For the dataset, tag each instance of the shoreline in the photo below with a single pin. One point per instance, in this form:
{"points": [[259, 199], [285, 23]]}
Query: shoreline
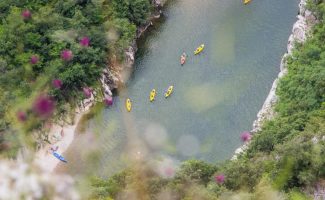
{"points": [[300, 31], [110, 79], [43, 157]]}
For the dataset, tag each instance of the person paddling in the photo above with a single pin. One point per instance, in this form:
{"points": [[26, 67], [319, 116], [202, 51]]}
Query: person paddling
{"points": [[52, 149], [183, 58]]}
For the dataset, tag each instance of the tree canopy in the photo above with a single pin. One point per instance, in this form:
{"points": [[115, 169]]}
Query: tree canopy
{"points": [[58, 48]]}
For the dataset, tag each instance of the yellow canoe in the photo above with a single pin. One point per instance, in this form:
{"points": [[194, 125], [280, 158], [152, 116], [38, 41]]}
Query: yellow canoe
{"points": [[152, 95], [128, 105], [247, 1], [169, 91], [199, 49]]}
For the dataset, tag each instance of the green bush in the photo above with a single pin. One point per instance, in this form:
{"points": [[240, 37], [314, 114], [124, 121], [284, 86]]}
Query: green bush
{"points": [[136, 11], [195, 170]]}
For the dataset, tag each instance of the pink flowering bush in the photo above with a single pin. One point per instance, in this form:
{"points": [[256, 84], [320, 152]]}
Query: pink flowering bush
{"points": [[21, 116], [26, 14], [219, 178], [108, 101], [57, 83], [85, 41], [66, 55], [43, 106], [34, 59], [245, 136], [87, 92]]}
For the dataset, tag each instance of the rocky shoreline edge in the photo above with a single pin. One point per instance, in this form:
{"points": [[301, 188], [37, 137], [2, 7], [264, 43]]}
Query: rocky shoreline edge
{"points": [[300, 32], [110, 79]]}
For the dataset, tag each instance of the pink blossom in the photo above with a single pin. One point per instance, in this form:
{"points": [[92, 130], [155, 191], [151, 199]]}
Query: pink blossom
{"points": [[219, 178], [66, 55], [43, 106], [26, 14], [34, 59], [108, 101], [21, 116], [85, 41], [245, 136], [87, 92], [57, 83], [169, 171]]}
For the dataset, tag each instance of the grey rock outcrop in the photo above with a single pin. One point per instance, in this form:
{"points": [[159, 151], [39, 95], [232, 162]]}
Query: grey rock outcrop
{"points": [[300, 32]]}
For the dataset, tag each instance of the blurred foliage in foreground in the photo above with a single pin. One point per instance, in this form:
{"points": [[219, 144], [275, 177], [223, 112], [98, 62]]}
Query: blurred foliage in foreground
{"points": [[288, 155], [20, 180], [50, 51]]}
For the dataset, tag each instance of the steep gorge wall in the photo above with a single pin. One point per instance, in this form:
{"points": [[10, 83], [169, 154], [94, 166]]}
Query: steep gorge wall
{"points": [[300, 31]]}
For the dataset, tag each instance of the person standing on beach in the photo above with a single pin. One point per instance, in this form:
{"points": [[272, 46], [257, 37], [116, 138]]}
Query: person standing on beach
{"points": [[62, 133]]}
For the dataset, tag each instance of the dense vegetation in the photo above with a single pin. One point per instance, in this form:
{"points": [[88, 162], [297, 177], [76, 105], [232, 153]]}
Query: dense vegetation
{"points": [[52, 52], [285, 160]]}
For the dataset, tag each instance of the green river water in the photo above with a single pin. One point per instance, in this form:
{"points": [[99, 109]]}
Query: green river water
{"points": [[217, 94]]}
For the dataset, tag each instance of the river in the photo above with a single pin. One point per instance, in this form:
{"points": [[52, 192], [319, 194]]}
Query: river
{"points": [[217, 94]]}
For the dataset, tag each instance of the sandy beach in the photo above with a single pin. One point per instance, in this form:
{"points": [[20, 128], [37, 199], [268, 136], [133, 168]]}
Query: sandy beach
{"points": [[44, 158]]}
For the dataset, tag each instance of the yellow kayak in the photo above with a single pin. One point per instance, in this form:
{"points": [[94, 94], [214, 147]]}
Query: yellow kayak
{"points": [[247, 1], [199, 49], [152, 95], [169, 91], [128, 105]]}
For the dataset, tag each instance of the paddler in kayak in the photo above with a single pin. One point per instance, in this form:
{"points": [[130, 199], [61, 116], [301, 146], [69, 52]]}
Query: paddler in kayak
{"points": [[128, 104], [199, 49], [58, 156], [183, 58], [246, 2], [169, 91], [152, 95]]}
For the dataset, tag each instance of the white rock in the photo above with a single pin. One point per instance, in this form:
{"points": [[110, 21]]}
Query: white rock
{"points": [[302, 7], [311, 20], [129, 54], [299, 29]]}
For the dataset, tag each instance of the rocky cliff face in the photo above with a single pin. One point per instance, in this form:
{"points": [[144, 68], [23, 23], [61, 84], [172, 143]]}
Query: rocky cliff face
{"points": [[300, 31]]}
